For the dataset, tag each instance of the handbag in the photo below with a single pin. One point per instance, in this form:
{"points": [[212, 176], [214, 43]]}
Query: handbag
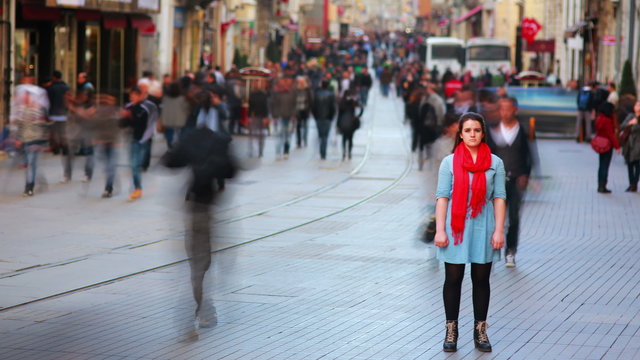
{"points": [[600, 144]]}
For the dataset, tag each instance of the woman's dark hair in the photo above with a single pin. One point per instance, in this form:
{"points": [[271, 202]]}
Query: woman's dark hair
{"points": [[204, 99], [470, 116], [185, 82], [174, 90], [606, 109]]}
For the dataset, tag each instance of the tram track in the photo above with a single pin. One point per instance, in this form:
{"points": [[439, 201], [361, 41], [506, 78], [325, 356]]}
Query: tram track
{"points": [[353, 175]]}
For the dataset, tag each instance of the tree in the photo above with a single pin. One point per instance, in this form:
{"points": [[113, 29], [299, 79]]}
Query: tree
{"points": [[627, 85], [240, 60]]}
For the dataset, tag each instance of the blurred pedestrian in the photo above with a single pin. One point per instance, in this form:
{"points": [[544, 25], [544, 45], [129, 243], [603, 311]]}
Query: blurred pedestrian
{"points": [[587, 105], [106, 137], [386, 77], [258, 116], [440, 149], [151, 91], [59, 94], [510, 142], [78, 135], [349, 120], [470, 210], [175, 111], [324, 110], [206, 153], [606, 128], [304, 97], [283, 109], [136, 117], [364, 82], [631, 147], [29, 117]]}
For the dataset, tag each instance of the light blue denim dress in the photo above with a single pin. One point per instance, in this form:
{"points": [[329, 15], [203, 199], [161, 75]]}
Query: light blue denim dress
{"points": [[476, 243]]}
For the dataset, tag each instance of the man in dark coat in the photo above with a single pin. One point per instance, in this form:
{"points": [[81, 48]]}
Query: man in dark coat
{"points": [[509, 141], [207, 154]]}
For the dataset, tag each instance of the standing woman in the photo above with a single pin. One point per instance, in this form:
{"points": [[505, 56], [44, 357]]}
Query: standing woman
{"points": [[605, 127], [631, 148], [470, 214]]}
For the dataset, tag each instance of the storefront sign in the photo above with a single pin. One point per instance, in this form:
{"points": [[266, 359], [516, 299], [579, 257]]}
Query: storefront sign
{"points": [[70, 2], [608, 39], [179, 17], [575, 43], [530, 28], [542, 46]]}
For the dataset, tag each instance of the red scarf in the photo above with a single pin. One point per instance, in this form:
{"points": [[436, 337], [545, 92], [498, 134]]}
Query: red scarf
{"points": [[462, 165]]}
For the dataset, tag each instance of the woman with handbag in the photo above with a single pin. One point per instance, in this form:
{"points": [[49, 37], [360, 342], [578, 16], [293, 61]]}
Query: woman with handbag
{"points": [[470, 216], [348, 120], [605, 130], [631, 146]]}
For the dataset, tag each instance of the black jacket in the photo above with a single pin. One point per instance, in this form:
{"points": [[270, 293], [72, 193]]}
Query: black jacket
{"points": [[518, 158], [324, 105], [207, 154]]}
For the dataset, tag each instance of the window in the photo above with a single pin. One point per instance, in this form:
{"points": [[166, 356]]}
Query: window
{"points": [[488, 53]]}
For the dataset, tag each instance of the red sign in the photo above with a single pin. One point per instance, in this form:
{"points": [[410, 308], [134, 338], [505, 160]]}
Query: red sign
{"points": [[608, 39], [542, 46], [530, 28]]}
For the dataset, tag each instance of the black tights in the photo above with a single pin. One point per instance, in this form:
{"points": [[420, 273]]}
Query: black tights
{"points": [[454, 273]]}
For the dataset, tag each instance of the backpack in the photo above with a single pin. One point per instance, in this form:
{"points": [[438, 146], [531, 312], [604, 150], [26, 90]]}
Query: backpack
{"points": [[583, 99]]}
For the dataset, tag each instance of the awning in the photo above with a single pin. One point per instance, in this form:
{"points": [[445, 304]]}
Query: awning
{"points": [[141, 22], [114, 22], [41, 13], [466, 16], [88, 15]]}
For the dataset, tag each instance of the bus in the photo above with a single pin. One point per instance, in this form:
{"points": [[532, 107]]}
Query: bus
{"points": [[445, 53], [487, 53]]}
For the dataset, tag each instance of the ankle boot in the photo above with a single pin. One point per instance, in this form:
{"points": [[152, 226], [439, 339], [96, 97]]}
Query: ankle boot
{"points": [[480, 337], [451, 336], [602, 187]]}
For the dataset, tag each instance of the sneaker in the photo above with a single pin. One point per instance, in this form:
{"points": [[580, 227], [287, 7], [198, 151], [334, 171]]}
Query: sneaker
{"points": [[65, 180], [107, 194], [135, 195], [207, 316], [86, 179], [510, 261], [27, 193]]}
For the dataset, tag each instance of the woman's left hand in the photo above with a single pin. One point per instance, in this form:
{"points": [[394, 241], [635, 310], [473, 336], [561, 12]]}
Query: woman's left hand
{"points": [[497, 240]]}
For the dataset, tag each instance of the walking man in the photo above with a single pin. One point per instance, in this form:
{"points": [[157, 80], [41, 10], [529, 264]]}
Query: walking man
{"points": [[509, 141], [324, 109]]}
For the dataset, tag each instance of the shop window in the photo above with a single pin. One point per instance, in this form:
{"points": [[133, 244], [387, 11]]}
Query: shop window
{"points": [[92, 53], [26, 55]]}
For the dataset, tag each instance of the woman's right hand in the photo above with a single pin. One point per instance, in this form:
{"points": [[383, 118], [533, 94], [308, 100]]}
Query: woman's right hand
{"points": [[441, 240]]}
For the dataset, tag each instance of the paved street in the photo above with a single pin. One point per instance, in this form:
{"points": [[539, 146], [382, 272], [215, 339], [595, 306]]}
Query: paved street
{"points": [[316, 259]]}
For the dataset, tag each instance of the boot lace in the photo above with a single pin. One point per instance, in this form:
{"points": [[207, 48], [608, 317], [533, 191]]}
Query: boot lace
{"points": [[451, 336], [481, 327]]}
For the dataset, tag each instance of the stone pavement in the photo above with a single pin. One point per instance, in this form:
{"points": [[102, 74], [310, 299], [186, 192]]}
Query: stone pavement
{"points": [[320, 260]]}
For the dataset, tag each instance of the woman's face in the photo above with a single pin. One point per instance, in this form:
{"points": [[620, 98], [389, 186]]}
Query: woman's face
{"points": [[471, 133], [636, 107]]}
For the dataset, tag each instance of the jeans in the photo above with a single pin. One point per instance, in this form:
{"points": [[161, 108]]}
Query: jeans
{"points": [[634, 172], [364, 95], [514, 200], [198, 247], [109, 151], [31, 150], [59, 136], [323, 132], [284, 134], [603, 168], [256, 133], [385, 89], [169, 135], [302, 128], [138, 152], [74, 146]]}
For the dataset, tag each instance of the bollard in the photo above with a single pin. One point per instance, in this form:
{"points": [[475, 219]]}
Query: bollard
{"points": [[532, 128]]}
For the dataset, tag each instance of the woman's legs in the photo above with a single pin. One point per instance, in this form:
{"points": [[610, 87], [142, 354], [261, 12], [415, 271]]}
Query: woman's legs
{"points": [[633, 168], [481, 290], [454, 273], [603, 170]]}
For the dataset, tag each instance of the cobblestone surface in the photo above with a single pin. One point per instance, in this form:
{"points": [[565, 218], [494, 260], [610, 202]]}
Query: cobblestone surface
{"points": [[353, 284]]}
